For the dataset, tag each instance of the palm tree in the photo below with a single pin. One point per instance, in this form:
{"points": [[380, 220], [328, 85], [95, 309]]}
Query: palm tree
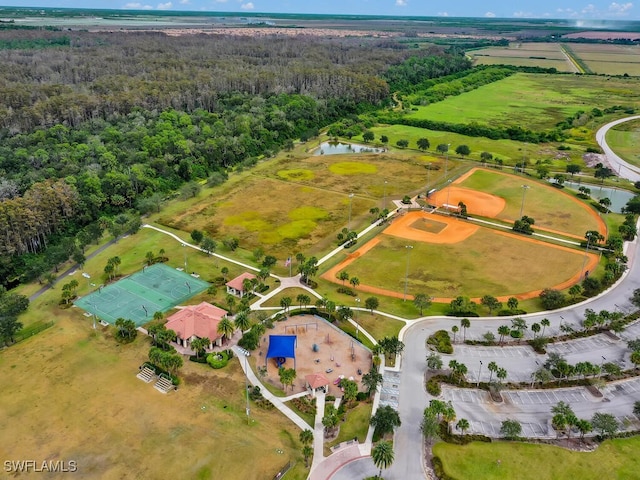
{"points": [[200, 345], [355, 281], [242, 321], [545, 323], [226, 328], [454, 329], [306, 437], [344, 276], [382, 455], [465, 323], [285, 303], [502, 331], [493, 367], [463, 425], [535, 328], [307, 452]]}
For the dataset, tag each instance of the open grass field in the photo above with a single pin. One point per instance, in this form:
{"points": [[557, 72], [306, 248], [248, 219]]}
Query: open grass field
{"points": [[487, 263], [624, 139], [551, 208], [357, 425], [298, 203], [609, 59], [70, 393], [614, 459], [538, 101]]}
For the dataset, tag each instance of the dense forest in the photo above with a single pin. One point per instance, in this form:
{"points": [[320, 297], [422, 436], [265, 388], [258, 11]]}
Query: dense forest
{"points": [[96, 128]]}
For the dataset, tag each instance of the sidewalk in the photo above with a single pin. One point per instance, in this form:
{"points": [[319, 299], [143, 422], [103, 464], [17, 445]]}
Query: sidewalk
{"points": [[276, 401]]}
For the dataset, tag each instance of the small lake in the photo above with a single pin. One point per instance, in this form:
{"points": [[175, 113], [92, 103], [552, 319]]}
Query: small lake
{"points": [[619, 198], [339, 148]]}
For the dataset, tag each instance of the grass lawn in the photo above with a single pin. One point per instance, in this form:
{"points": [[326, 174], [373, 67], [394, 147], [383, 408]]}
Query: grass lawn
{"points": [[379, 326], [292, 293], [108, 421], [487, 263], [537, 101], [550, 207], [624, 139], [356, 425], [614, 459]]}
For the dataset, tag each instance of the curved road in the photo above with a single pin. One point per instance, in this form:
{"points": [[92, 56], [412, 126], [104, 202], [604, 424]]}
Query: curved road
{"points": [[624, 169], [408, 463]]}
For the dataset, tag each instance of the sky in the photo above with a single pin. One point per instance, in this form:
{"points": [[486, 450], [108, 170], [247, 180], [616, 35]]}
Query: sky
{"points": [[570, 9]]}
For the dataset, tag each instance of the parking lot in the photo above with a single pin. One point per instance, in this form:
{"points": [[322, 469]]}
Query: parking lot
{"points": [[582, 345], [546, 397], [390, 389]]}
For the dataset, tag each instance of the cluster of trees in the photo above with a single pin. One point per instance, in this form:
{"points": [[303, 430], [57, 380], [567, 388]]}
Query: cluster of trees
{"points": [[564, 420], [11, 306]]}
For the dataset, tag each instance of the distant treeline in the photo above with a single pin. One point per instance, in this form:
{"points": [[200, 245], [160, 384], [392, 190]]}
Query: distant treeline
{"points": [[110, 75], [34, 43]]}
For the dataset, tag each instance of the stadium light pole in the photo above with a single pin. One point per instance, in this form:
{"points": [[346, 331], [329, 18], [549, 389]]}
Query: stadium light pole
{"points": [[350, 201], [446, 162], [601, 364], [479, 371], [355, 316], [185, 258], [384, 205], [448, 191], [406, 273], [524, 191]]}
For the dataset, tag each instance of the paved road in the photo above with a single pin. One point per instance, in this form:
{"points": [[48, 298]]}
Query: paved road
{"points": [[519, 362], [624, 169]]}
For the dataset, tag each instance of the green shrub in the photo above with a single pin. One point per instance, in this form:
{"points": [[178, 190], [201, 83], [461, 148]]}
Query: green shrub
{"points": [[218, 360], [441, 341], [362, 396], [433, 387]]}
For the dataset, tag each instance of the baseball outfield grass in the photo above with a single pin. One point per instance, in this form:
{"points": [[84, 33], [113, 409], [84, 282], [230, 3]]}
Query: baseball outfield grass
{"points": [[624, 139], [487, 263]]}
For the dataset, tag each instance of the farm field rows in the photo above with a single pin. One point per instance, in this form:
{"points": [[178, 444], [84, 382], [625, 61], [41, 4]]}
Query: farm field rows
{"points": [[600, 58], [545, 55]]}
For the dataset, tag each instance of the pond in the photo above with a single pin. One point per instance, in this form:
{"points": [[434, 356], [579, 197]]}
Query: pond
{"points": [[619, 198], [339, 148]]}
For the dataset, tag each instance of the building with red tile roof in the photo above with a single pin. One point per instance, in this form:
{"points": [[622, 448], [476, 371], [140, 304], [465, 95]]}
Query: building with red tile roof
{"points": [[236, 286], [197, 321]]}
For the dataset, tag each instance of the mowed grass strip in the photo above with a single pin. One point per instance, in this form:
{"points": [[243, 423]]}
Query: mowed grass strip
{"points": [[614, 459], [485, 263], [548, 206], [70, 393]]}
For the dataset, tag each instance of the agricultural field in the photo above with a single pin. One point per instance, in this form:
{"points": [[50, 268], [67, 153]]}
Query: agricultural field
{"points": [[506, 460], [299, 203], [624, 139], [544, 55], [537, 101], [609, 59]]}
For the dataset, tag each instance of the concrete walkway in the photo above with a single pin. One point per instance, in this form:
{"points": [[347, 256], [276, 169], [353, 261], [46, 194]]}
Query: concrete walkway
{"points": [[276, 401]]}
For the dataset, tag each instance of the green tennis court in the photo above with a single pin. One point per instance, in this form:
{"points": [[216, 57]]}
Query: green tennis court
{"points": [[137, 297]]}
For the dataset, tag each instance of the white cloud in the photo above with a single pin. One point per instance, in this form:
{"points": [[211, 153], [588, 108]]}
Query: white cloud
{"points": [[522, 14], [401, 3], [490, 15], [184, 2], [165, 6], [137, 6], [247, 6], [620, 8], [443, 14]]}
